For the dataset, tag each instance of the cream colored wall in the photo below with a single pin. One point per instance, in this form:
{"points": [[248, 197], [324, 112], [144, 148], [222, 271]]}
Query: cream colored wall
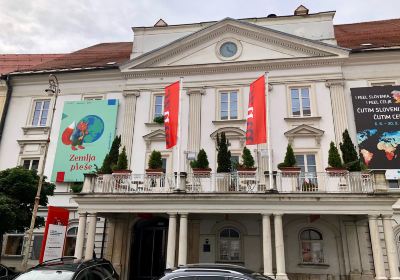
{"points": [[3, 93]]}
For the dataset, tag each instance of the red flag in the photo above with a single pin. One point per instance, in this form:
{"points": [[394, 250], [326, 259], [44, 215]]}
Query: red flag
{"points": [[171, 113], [256, 114]]}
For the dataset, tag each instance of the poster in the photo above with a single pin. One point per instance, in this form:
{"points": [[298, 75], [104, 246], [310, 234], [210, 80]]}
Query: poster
{"points": [[377, 118], [54, 234], [87, 130]]}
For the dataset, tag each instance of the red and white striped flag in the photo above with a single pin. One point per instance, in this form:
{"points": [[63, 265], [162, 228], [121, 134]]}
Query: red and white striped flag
{"points": [[256, 114], [171, 114]]}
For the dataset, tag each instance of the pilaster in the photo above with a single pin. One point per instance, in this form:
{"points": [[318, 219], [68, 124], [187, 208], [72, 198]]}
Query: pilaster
{"points": [[338, 104], [376, 248], [129, 121], [195, 119], [393, 259]]}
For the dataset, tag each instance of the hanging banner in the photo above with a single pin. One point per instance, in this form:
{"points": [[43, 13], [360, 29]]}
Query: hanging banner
{"points": [[377, 118], [86, 132], [256, 132], [171, 114], [54, 234]]}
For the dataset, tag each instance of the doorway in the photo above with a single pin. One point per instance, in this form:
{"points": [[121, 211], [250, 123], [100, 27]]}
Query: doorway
{"points": [[148, 251]]}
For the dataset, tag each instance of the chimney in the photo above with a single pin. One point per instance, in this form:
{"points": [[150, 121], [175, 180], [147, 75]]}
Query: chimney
{"points": [[301, 11]]}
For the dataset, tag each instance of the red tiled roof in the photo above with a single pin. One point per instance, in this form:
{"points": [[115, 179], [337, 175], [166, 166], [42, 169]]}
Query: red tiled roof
{"points": [[15, 62], [104, 55], [384, 33]]}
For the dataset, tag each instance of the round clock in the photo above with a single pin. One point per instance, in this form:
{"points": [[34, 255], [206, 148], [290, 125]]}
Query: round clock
{"points": [[228, 49]]}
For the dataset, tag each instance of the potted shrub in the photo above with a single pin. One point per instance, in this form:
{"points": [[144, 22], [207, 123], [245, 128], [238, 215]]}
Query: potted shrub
{"points": [[155, 163], [122, 164], [288, 166], [111, 159], [76, 187], [200, 165], [351, 159], [224, 155], [247, 165], [334, 161], [159, 119]]}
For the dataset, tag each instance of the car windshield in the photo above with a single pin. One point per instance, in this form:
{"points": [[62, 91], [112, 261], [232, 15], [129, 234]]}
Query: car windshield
{"points": [[46, 275]]}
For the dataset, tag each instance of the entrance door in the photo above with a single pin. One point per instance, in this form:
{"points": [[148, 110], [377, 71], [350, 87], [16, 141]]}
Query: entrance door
{"points": [[149, 249]]}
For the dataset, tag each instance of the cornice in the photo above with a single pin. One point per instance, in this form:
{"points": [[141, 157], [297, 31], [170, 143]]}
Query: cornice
{"points": [[334, 83], [232, 67]]}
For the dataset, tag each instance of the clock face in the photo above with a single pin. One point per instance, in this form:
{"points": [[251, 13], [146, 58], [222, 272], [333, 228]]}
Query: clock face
{"points": [[228, 49]]}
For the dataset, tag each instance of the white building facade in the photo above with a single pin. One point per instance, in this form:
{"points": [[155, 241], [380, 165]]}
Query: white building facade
{"points": [[338, 227]]}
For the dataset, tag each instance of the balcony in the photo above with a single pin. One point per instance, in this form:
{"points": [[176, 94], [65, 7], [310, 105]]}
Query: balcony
{"points": [[320, 182]]}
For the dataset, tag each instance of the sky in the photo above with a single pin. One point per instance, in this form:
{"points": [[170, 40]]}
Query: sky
{"points": [[55, 26]]}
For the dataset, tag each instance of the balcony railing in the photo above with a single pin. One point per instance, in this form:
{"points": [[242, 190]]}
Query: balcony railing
{"points": [[320, 182]]}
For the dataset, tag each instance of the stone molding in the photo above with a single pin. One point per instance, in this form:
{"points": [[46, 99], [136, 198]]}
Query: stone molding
{"points": [[135, 93], [304, 131]]}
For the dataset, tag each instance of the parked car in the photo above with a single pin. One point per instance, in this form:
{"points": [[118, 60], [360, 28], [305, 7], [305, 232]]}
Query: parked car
{"points": [[69, 268], [7, 273], [213, 272]]}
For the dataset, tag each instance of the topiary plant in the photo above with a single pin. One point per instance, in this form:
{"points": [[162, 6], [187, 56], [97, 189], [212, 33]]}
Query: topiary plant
{"points": [[247, 158], [122, 163], [159, 119], [334, 159], [290, 159], [201, 161], [155, 160], [351, 160], [224, 155], [76, 187], [111, 159]]}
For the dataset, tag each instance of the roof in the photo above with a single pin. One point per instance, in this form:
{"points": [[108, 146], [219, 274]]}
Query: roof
{"points": [[104, 55], [15, 62], [373, 34]]}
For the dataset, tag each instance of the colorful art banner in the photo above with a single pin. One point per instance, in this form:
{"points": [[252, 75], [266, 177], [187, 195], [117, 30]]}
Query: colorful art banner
{"points": [[87, 130], [54, 234], [377, 118]]}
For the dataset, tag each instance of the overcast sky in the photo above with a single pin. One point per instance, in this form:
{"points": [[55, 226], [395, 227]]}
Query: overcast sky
{"points": [[59, 26]]}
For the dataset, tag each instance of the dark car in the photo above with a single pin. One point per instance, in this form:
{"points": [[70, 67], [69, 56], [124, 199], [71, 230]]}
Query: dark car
{"points": [[71, 269], [7, 273], [213, 272]]}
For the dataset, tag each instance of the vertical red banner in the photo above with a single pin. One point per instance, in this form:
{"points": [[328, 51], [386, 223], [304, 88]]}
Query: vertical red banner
{"points": [[171, 113], [54, 233], [256, 114]]}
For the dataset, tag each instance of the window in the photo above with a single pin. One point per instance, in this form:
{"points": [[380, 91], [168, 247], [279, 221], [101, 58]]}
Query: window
{"points": [[228, 105], [308, 175], [97, 97], [36, 246], [383, 83], [229, 245], [311, 247], [300, 102], [31, 164], [234, 162], [14, 245], [164, 163], [158, 106], [393, 184], [40, 112], [70, 240]]}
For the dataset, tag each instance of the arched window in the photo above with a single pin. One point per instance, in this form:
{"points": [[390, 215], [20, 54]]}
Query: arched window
{"points": [[311, 243], [70, 241], [229, 245]]}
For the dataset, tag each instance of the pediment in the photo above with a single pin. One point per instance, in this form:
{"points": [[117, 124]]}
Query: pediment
{"points": [[304, 130], [156, 135], [230, 133], [255, 43]]}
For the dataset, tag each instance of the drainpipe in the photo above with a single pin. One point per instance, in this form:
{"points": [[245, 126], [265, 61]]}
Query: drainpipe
{"points": [[6, 78]]}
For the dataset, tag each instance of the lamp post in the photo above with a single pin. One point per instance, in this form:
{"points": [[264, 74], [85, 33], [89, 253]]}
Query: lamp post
{"points": [[53, 90]]}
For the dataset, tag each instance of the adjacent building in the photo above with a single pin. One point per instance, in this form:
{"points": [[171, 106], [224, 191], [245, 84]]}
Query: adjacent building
{"points": [[311, 224]]}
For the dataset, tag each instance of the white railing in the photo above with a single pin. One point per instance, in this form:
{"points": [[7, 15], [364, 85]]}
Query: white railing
{"points": [[320, 182]]}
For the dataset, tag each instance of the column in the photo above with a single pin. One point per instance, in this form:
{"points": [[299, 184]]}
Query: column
{"points": [[92, 218], [110, 238], [183, 239], [376, 247], [267, 245], [338, 103], [129, 121], [279, 248], [80, 237], [354, 252], [393, 259], [195, 119], [170, 263], [118, 243]]}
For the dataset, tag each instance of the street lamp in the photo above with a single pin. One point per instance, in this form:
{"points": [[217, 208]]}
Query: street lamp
{"points": [[53, 90]]}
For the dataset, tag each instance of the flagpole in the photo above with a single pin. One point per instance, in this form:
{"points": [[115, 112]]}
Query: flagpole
{"points": [[178, 173], [271, 186]]}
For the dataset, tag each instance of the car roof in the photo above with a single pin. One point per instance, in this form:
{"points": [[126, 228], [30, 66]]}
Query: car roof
{"points": [[67, 263], [206, 268]]}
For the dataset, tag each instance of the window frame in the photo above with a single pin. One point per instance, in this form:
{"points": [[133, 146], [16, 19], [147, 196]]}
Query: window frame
{"points": [[239, 104], [31, 159], [312, 98], [321, 242], [5, 243], [218, 250], [29, 122], [71, 226], [91, 97], [377, 83], [153, 105]]}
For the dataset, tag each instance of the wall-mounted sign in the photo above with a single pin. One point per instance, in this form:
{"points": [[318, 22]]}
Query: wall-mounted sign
{"points": [[377, 118], [86, 132]]}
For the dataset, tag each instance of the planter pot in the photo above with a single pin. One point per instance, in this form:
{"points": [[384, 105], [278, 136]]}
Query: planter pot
{"points": [[201, 171], [121, 172], [155, 171], [246, 170], [290, 171], [336, 170]]}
